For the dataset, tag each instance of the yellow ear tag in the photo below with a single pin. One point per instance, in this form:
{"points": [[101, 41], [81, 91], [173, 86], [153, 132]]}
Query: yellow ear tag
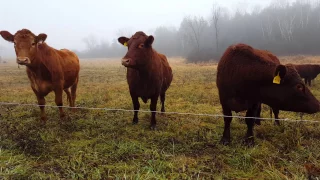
{"points": [[125, 44], [276, 79]]}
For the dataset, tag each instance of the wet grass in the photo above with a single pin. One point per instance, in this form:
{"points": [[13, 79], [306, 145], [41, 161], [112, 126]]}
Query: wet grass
{"points": [[99, 144]]}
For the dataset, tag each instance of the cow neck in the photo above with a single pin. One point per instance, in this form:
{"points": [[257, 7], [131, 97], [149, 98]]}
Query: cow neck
{"points": [[148, 70], [37, 64]]}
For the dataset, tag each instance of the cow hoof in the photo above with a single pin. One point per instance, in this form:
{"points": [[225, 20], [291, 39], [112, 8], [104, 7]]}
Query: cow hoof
{"points": [[277, 123], [225, 141], [249, 141], [43, 120], [135, 121], [153, 127], [258, 122], [67, 118], [62, 115]]}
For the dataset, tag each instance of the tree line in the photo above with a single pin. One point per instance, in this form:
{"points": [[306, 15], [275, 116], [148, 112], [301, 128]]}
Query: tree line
{"points": [[283, 28]]}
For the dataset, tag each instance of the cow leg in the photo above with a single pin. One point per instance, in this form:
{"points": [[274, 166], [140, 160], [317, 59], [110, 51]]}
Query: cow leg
{"points": [[136, 107], [257, 120], [276, 116], [162, 98], [68, 96], [59, 102], [74, 95], [153, 107], [251, 112], [306, 81], [225, 140], [41, 103], [309, 82]]}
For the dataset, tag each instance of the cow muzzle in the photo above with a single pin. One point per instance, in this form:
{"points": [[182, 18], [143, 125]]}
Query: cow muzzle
{"points": [[126, 62], [23, 60]]}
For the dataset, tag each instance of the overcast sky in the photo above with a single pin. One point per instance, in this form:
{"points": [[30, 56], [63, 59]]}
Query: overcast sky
{"points": [[67, 22]]}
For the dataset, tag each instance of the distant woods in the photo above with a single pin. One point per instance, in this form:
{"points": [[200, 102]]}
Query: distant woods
{"points": [[282, 28]]}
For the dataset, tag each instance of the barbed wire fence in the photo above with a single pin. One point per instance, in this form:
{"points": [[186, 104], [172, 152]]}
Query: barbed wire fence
{"points": [[148, 111], [120, 69]]}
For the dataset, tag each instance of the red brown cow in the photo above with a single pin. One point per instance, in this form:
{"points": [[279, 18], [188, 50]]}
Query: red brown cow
{"points": [[246, 77], [149, 74], [48, 69], [308, 72]]}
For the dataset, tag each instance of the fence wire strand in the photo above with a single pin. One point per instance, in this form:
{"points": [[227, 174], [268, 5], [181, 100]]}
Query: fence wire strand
{"points": [[147, 111]]}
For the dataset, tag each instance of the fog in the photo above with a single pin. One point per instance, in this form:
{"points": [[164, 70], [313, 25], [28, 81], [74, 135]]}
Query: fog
{"points": [[91, 28]]}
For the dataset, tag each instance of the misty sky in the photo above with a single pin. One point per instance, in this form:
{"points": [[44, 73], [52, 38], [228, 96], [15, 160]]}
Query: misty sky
{"points": [[67, 22]]}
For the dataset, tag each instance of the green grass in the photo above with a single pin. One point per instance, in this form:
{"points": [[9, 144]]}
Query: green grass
{"points": [[99, 144]]}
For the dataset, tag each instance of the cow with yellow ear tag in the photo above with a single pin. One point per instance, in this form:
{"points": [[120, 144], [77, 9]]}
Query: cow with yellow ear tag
{"points": [[247, 77], [149, 74]]}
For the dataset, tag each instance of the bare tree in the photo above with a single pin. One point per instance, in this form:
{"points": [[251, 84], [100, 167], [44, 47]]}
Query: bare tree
{"points": [[286, 27], [197, 25], [266, 28], [216, 13], [280, 3], [91, 42], [242, 7]]}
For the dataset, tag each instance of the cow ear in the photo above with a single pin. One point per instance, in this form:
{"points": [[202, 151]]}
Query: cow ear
{"points": [[123, 40], [279, 74], [7, 36], [41, 37], [149, 41]]}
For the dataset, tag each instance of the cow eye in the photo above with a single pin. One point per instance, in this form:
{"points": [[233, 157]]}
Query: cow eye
{"points": [[141, 46], [33, 44], [300, 87]]}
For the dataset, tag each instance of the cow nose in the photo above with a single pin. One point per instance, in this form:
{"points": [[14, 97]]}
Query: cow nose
{"points": [[22, 59], [125, 61]]}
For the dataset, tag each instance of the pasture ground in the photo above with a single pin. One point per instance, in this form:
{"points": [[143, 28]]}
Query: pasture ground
{"points": [[96, 144]]}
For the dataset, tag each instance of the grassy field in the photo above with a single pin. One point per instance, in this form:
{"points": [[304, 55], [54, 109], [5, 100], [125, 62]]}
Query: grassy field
{"points": [[99, 144]]}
